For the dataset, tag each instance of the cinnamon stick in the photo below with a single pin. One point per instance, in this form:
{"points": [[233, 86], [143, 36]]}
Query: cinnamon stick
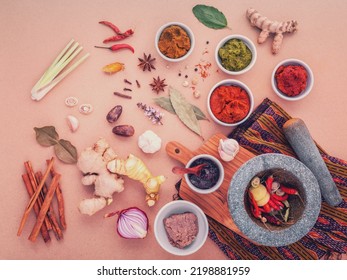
{"points": [[34, 198], [50, 213], [29, 169], [60, 199], [45, 206], [29, 188]]}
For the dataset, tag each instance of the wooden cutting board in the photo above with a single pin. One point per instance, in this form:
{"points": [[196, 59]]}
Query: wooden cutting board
{"points": [[214, 204]]}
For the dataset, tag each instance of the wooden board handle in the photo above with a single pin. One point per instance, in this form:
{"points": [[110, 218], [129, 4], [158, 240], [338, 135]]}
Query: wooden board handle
{"points": [[179, 152]]}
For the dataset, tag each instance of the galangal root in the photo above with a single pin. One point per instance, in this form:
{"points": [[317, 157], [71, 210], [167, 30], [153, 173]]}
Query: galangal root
{"points": [[103, 169], [268, 26]]}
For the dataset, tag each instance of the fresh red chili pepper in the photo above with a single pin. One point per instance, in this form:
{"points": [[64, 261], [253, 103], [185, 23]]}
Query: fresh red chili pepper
{"points": [[110, 25], [289, 190], [278, 203], [273, 205], [267, 208], [254, 206], [280, 198], [117, 47], [268, 183]]}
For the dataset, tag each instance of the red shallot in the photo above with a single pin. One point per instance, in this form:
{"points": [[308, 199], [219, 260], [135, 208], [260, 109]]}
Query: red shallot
{"points": [[132, 223]]}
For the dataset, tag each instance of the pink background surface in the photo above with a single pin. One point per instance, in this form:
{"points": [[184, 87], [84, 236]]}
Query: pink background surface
{"points": [[34, 32]]}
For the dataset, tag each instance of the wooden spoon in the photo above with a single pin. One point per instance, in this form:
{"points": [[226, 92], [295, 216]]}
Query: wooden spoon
{"points": [[192, 170]]}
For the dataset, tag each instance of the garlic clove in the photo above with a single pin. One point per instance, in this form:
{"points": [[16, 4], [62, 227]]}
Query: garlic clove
{"points": [[72, 122], [228, 149], [149, 142]]}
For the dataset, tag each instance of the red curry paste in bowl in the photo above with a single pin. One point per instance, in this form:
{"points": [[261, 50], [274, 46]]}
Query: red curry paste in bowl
{"points": [[230, 102], [292, 79]]}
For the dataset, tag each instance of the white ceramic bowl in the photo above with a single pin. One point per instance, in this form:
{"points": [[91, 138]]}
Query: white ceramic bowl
{"points": [[190, 34], [249, 44], [178, 207], [310, 79], [221, 174], [230, 82]]}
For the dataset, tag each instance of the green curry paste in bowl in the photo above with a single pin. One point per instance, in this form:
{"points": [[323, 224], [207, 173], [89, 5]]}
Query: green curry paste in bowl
{"points": [[235, 54]]}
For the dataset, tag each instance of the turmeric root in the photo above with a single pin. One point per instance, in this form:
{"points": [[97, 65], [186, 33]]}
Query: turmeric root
{"points": [[268, 26], [135, 169]]}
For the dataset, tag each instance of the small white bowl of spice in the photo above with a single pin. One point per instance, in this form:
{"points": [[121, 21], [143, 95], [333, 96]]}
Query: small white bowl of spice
{"points": [[181, 227], [292, 79], [174, 41], [210, 176], [230, 102], [235, 54]]}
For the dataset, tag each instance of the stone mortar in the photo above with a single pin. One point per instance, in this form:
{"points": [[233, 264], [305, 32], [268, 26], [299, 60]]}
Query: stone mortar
{"points": [[256, 232]]}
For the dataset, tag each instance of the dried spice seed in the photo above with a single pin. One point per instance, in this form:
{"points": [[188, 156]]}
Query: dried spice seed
{"points": [[124, 130], [147, 62], [127, 82], [158, 85], [138, 84], [127, 89]]}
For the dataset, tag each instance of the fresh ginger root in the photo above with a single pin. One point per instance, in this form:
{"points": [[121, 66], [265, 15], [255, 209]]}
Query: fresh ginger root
{"points": [[268, 26], [135, 169]]}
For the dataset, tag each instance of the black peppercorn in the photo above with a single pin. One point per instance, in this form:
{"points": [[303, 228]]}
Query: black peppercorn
{"points": [[186, 76]]}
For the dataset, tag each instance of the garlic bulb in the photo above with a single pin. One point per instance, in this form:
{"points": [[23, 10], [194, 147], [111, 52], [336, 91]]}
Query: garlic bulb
{"points": [[228, 149], [149, 142]]}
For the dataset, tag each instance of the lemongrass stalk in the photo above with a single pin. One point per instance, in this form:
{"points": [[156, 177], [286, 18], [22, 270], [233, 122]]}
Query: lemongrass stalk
{"points": [[59, 66], [38, 94], [38, 84]]}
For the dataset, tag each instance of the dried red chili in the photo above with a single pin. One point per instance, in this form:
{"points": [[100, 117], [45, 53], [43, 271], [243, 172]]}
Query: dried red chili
{"points": [[291, 79], [119, 35], [230, 104]]}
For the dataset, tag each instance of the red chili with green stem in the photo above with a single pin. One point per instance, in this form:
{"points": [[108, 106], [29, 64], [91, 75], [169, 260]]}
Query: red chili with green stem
{"points": [[291, 191], [117, 47]]}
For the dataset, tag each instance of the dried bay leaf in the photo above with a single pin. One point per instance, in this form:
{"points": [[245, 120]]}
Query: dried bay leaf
{"points": [[165, 103], [184, 111], [210, 16], [65, 151], [46, 136]]}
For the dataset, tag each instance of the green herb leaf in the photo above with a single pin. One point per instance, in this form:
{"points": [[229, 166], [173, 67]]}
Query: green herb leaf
{"points": [[46, 136], [184, 111], [210, 16], [165, 103], [65, 151]]}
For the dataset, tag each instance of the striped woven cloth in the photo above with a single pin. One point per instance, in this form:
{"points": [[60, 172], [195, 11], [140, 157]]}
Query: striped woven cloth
{"points": [[262, 133]]}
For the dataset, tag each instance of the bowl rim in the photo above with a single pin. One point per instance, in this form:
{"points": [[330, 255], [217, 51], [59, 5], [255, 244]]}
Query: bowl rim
{"points": [[250, 45], [247, 226], [180, 205], [309, 86], [230, 82], [189, 32], [221, 174]]}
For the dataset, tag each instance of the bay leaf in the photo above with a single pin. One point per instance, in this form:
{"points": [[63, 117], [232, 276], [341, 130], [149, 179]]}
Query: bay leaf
{"points": [[46, 136], [165, 103], [184, 111], [210, 16], [65, 151]]}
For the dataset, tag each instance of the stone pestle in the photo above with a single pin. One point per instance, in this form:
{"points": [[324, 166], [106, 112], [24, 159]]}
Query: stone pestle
{"points": [[302, 143]]}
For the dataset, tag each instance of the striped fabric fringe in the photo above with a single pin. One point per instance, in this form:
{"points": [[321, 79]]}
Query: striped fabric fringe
{"points": [[262, 133]]}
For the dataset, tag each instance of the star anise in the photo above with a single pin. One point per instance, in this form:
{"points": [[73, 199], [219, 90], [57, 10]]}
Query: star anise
{"points": [[158, 85], [147, 62]]}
